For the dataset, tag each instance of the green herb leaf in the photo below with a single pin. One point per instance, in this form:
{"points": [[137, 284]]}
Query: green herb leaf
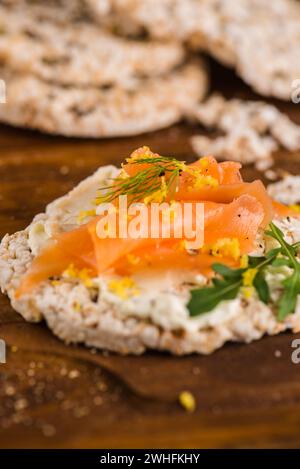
{"points": [[282, 262], [273, 253], [145, 182], [204, 300], [227, 272], [255, 261], [262, 287], [288, 300], [291, 285], [229, 281]]}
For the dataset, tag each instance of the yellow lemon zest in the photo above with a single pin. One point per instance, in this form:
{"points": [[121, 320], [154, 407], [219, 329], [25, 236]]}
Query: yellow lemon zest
{"points": [[187, 401], [81, 274], [224, 247], [124, 288], [248, 277]]}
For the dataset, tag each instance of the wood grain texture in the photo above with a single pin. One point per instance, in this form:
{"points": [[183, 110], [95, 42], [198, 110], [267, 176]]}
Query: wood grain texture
{"points": [[52, 395]]}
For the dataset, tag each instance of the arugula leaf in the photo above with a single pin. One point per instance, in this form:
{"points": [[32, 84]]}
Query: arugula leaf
{"points": [[282, 262], [205, 299], [291, 285], [273, 253], [288, 300], [227, 272], [262, 287], [254, 262], [227, 284]]}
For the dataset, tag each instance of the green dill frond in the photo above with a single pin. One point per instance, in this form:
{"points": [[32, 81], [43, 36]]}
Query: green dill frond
{"points": [[148, 181]]}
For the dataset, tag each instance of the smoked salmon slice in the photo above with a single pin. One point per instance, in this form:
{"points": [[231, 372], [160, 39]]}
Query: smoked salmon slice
{"points": [[240, 219], [72, 247], [226, 175], [227, 193], [227, 172], [85, 249], [233, 209], [169, 257]]}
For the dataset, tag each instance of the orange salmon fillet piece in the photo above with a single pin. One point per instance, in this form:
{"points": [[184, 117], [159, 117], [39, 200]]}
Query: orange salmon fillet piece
{"points": [[232, 209], [85, 249]]}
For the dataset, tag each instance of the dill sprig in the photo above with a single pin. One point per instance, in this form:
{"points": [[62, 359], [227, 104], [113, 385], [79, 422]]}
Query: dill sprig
{"points": [[161, 177]]}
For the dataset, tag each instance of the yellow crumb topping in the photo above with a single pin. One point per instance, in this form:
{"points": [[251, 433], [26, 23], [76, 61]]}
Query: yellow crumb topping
{"points": [[124, 288], [244, 261], [248, 277], [84, 275], [202, 180], [160, 195], [224, 247], [187, 401], [54, 283]]}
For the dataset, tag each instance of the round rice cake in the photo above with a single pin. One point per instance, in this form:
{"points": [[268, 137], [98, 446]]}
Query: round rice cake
{"points": [[155, 319], [245, 34], [142, 106], [57, 11], [159, 18], [249, 37], [78, 53]]}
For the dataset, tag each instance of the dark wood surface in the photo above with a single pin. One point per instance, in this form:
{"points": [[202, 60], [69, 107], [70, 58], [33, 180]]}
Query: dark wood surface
{"points": [[53, 395]]}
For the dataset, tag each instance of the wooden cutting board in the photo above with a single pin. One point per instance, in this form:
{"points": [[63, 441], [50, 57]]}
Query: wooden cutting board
{"points": [[53, 395]]}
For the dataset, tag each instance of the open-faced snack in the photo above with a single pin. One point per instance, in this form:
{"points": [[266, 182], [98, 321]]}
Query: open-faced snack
{"points": [[129, 294]]}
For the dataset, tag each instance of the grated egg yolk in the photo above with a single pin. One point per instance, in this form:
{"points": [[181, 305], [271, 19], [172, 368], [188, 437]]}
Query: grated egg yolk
{"points": [[124, 288], [187, 401], [248, 277], [224, 247], [83, 275]]}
